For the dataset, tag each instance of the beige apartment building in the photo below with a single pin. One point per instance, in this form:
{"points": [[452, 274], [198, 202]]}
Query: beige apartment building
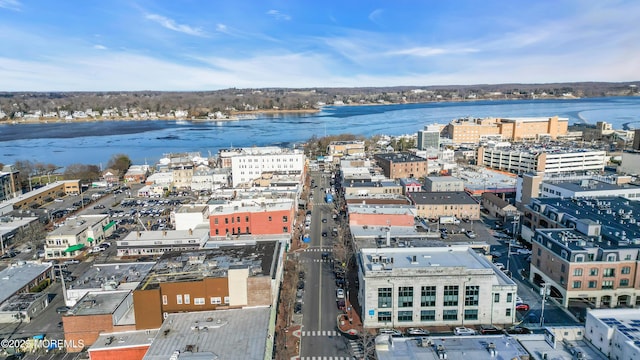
{"points": [[402, 165], [455, 203], [472, 131]]}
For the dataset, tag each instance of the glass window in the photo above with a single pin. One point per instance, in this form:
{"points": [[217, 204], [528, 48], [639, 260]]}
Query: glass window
{"points": [[427, 315], [577, 272], [165, 301], [216, 300], [450, 296], [179, 299], [626, 270], [496, 298], [593, 272], [609, 272], [405, 296], [198, 301], [608, 284], [471, 314], [405, 316], [384, 298], [450, 314], [428, 296], [624, 282], [593, 284], [187, 299], [215, 221], [577, 284], [509, 297], [384, 316], [508, 312], [471, 295]]}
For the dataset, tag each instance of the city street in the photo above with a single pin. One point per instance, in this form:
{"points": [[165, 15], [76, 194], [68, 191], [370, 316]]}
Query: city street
{"points": [[320, 338]]}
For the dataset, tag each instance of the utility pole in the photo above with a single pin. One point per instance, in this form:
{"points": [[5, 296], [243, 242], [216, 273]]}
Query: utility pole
{"points": [[516, 219], [544, 292]]}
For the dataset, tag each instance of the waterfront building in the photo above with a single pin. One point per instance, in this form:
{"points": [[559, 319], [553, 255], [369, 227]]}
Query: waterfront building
{"points": [[473, 131]]}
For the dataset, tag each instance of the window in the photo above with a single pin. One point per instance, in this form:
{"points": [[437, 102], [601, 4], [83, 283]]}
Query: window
{"points": [[384, 316], [609, 272], [187, 299], [562, 268], [579, 258], [472, 293], [577, 284], [509, 297], [593, 284], [179, 299], [471, 314], [384, 298], [405, 296], [496, 298], [507, 312], [593, 272], [246, 218], [608, 284], [611, 257], [198, 301], [226, 299], [217, 232], [215, 221], [238, 219], [624, 282], [428, 296], [626, 270], [450, 314], [269, 218], [450, 296], [427, 315], [285, 219], [405, 316], [226, 220], [216, 300], [165, 301], [539, 252], [577, 272]]}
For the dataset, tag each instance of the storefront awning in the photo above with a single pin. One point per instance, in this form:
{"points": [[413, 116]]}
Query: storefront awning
{"points": [[106, 227], [74, 248], [90, 240]]}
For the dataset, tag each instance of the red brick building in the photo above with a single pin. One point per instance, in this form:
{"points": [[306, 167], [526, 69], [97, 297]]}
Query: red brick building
{"points": [[256, 219]]}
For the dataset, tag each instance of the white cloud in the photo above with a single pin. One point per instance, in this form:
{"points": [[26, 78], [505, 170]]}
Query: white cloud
{"points": [[10, 5], [431, 51], [99, 47], [375, 15], [278, 15], [172, 25]]}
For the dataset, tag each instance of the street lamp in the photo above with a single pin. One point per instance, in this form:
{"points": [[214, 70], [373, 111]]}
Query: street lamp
{"points": [[544, 291], [516, 219]]}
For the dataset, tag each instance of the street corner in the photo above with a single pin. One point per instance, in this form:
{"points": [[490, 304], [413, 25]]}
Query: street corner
{"points": [[298, 332]]}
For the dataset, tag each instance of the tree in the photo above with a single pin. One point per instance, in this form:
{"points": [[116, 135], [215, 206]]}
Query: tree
{"points": [[82, 172], [120, 162]]}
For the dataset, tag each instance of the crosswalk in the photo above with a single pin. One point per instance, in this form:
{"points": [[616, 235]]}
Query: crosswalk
{"points": [[321, 333], [315, 260], [356, 348], [318, 249], [326, 358]]}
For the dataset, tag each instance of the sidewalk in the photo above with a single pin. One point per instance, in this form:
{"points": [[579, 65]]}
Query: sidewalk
{"points": [[349, 321]]}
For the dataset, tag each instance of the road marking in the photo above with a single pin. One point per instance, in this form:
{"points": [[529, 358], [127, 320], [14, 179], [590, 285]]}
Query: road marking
{"points": [[328, 333]]}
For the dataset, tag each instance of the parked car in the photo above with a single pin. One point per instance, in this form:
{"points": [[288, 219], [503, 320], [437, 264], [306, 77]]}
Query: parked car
{"points": [[324, 220], [471, 234], [297, 308], [490, 330], [522, 307], [417, 332], [388, 331], [499, 266], [518, 330], [324, 234], [495, 254], [62, 309], [300, 284], [72, 262], [523, 252], [340, 293], [461, 330]]}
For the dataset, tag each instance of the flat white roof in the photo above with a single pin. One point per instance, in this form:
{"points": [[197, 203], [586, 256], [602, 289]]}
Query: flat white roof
{"points": [[218, 334], [382, 209], [125, 339], [167, 235], [17, 276]]}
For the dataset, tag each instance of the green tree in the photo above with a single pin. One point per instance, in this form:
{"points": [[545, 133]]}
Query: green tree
{"points": [[120, 162]]}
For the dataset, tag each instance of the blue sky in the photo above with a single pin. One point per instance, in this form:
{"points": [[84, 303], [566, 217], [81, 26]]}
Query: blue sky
{"points": [[207, 45]]}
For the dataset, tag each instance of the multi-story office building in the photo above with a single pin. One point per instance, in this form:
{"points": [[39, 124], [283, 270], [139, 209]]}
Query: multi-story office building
{"points": [[433, 205], [473, 131], [585, 250], [402, 165], [248, 164], [437, 286], [256, 217], [229, 276], [523, 159], [429, 138], [9, 186], [615, 332]]}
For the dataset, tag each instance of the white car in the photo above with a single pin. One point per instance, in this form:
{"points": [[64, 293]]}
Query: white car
{"points": [[499, 266], [523, 252], [417, 332], [463, 331], [392, 332], [340, 293]]}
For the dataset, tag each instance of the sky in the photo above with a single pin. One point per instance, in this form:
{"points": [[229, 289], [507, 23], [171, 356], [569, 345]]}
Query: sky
{"points": [[191, 45]]}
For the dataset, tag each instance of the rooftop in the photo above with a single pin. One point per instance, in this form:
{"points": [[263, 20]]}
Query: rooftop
{"points": [[77, 225], [196, 236], [382, 209], [453, 347], [126, 339], [221, 334], [400, 157], [592, 185], [9, 224], [19, 275], [101, 275], [249, 205], [442, 178], [626, 321], [99, 303], [567, 343], [21, 302], [186, 266], [442, 198]]}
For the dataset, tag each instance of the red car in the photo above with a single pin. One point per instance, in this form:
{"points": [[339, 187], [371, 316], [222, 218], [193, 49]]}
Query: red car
{"points": [[522, 307]]}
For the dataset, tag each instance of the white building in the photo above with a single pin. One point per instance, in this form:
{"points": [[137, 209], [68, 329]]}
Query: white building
{"points": [[70, 239], [437, 286], [249, 164], [139, 243], [615, 332], [549, 160], [191, 216], [210, 179]]}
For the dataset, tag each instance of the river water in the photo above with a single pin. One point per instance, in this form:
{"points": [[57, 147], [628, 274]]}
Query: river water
{"points": [[95, 142]]}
